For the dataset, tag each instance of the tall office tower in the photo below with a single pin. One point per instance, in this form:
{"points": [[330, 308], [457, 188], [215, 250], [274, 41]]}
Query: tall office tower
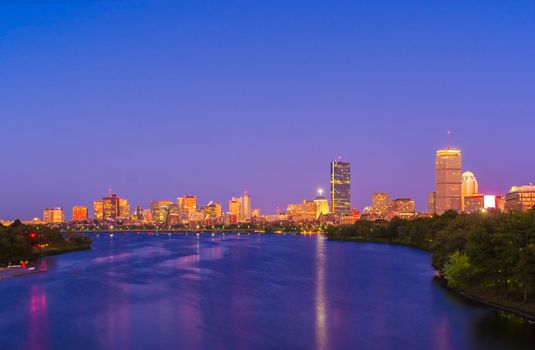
{"points": [[234, 207], [431, 203], [180, 203], [79, 213], [381, 203], [245, 207], [341, 188], [212, 211], [111, 207], [53, 215], [469, 187], [98, 210], [448, 165]]}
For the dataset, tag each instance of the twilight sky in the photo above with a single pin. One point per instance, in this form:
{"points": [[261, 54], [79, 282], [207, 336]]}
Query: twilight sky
{"points": [[162, 98]]}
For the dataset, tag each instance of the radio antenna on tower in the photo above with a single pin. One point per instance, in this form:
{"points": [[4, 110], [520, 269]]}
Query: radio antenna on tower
{"points": [[449, 139]]}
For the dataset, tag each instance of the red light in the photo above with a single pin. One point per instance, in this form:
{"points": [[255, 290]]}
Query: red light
{"points": [[32, 235]]}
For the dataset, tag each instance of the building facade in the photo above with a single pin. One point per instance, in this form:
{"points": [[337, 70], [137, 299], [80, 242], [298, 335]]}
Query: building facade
{"points": [[79, 213], [520, 198], [53, 215], [469, 185], [448, 166], [340, 188]]}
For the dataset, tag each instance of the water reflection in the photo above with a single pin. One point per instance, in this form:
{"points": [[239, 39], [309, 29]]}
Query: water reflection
{"points": [[320, 299], [37, 318]]}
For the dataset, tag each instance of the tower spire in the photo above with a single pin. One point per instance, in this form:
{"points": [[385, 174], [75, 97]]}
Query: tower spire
{"points": [[449, 139]]}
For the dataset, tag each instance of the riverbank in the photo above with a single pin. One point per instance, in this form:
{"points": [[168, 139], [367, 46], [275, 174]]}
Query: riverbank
{"points": [[518, 309]]}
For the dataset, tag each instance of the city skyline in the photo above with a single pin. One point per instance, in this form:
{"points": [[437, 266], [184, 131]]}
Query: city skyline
{"points": [[186, 101]]}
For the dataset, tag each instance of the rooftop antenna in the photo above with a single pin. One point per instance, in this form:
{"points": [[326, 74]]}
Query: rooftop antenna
{"points": [[449, 139], [109, 191]]}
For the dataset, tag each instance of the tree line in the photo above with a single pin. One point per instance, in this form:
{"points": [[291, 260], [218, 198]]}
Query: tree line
{"points": [[19, 242], [486, 253]]}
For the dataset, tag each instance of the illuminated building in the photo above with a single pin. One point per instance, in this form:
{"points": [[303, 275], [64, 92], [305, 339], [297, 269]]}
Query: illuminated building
{"points": [[340, 188], [139, 213], [469, 185], [160, 210], [174, 215], [124, 209], [303, 212], [431, 203], [79, 213], [520, 198], [245, 207], [111, 207], [403, 207], [212, 211], [189, 203], [234, 206], [381, 204], [98, 210], [322, 205], [474, 203], [256, 214], [53, 215], [448, 165]]}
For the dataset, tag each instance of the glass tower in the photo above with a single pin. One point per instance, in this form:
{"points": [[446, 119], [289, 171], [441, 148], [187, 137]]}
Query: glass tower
{"points": [[341, 188]]}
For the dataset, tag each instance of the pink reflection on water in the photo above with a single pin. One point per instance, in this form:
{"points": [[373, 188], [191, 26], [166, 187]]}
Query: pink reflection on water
{"points": [[37, 319], [320, 297]]}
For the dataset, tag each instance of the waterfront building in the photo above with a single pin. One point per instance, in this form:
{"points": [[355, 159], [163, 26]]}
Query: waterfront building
{"points": [[245, 207], [448, 166], [174, 215], [98, 210], [139, 213], [256, 214], [431, 203], [53, 215], [520, 198], [160, 211], [79, 213], [322, 205], [234, 206], [469, 185], [189, 203], [212, 211], [124, 209], [340, 188]]}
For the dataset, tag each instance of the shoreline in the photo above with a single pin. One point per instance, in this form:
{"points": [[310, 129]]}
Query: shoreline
{"points": [[501, 307]]}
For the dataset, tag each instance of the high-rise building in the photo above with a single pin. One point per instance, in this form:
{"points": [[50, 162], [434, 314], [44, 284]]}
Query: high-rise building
{"points": [[431, 203], [469, 186], [245, 207], [53, 215], [212, 211], [341, 188], [189, 203], [111, 207], [234, 207], [124, 209], [79, 213], [474, 203], [520, 198], [448, 166]]}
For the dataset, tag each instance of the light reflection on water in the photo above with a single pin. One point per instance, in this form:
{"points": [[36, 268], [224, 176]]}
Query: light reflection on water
{"points": [[244, 292]]}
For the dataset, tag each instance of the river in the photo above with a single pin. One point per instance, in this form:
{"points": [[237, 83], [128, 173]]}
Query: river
{"points": [[181, 291]]}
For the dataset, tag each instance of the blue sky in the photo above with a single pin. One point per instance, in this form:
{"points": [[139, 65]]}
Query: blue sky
{"points": [[162, 98]]}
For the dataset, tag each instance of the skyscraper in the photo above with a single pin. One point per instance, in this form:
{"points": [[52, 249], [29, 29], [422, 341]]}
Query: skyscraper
{"points": [[448, 166], [340, 188], [245, 207], [469, 187]]}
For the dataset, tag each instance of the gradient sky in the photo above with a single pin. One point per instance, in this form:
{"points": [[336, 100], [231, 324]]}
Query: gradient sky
{"points": [[162, 98]]}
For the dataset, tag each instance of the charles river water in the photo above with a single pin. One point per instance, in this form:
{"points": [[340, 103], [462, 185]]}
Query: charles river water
{"points": [[248, 291]]}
